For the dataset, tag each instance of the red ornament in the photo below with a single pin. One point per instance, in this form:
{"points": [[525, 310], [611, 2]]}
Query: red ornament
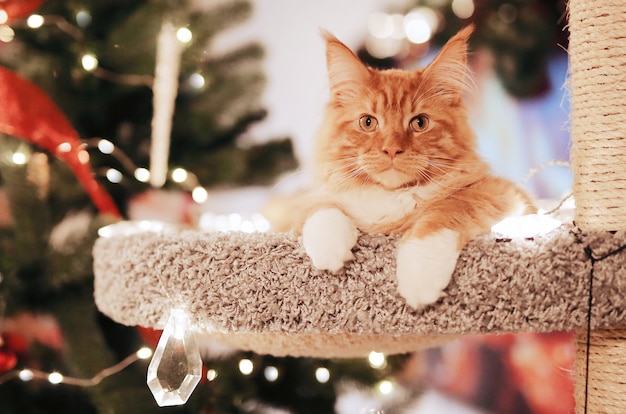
{"points": [[16, 9], [29, 113]]}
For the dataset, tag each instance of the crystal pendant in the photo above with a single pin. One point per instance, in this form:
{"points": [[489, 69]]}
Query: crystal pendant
{"points": [[176, 367]]}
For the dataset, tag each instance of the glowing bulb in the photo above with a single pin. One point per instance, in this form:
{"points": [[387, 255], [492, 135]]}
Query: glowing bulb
{"points": [[179, 175], [83, 157], [105, 146], [26, 375], [199, 195], [463, 8], [246, 366], [114, 175], [184, 35], [35, 21], [270, 373], [142, 175], [385, 387], [18, 158], [64, 147], [89, 62], [4, 16], [83, 18], [211, 374], [6, 34], [322, 375], [417, 29], [144, 353], [376, 359], [197, 81], [55, 378]]}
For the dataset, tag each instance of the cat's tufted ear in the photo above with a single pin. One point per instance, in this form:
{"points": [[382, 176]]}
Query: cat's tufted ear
{"points": [[448, 72], [346, 73]]}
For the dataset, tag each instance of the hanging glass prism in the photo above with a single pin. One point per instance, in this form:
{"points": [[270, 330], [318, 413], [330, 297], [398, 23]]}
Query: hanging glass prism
{"points": [[176, 366]]}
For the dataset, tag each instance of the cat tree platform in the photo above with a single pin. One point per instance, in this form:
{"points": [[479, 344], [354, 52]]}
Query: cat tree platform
{"points": [[260, 292]]}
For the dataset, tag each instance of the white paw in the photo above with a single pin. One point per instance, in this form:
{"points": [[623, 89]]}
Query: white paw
{"points": [[425, 266], [328, 237]]}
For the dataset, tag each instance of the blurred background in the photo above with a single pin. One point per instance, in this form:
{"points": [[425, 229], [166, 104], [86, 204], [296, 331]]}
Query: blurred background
{"points": [[198, 113]]}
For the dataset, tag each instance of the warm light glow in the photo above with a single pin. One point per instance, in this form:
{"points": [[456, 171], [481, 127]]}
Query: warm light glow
{"points": [[105, 146], [89, 62], [83, 18], [114, 175], [179, 175], [6, 34], [463, 8], [64, 147], [26, 375], [19, 158], [377, 359], [271, 373], [83, 157], [527, 226], [211, 374], [385, 387], [144, 353], [4, 17], [35, 21], [184, 35], [417, 29], [197, 81], [322, 375], [142, 174], [55, 378], [199, 195], [246, 366]]}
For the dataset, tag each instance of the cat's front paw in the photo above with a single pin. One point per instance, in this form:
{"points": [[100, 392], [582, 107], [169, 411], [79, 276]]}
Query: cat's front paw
{"points": [[425, 267], [328, 237]]}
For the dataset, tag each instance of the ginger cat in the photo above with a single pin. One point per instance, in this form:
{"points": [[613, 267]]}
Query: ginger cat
{"points": [[395, 154]]}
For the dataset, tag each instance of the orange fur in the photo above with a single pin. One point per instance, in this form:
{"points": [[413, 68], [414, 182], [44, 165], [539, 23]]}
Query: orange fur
{"points": [[439, 161]]}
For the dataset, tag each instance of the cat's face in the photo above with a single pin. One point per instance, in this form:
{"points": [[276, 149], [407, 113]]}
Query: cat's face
{"points": [[395, 128]]}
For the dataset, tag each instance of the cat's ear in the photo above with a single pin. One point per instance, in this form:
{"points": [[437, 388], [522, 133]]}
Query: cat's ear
{"points": [[346, 73], [448, 71]]}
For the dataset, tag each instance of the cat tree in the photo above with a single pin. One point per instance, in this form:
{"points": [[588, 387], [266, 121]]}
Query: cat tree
{"points": [[259, 292]]}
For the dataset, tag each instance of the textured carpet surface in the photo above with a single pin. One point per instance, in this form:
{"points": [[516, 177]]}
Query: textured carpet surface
{"points": [[260, 292]]}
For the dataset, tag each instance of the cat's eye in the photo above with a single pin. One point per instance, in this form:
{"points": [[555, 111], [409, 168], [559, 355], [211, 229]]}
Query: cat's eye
{"points": [[368, 123], [419, 123]]}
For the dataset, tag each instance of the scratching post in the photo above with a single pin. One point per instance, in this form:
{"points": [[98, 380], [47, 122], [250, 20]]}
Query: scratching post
{"points": [[597, 50]]}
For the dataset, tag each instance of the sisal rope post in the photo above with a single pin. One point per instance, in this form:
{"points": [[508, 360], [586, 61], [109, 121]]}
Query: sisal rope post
{"points": [[600, 372], [597, 50]]}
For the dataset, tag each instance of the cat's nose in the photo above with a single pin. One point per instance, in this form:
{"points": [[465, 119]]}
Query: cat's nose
{"points": [[392, 151]]}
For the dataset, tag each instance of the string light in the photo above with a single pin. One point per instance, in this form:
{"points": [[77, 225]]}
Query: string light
{"points": [[271, 373], [463, 9], [89, 62], [114, 175], [4, 16], [179, 175], [64, 147], [385, 387], [246, 366], [6, 34], [377, 360], [142, 174], [322, 375], [105, 146], [58, 378], [199, 195], [211, 375], [83, 18], [197, 81], [35, 21], [19, 158], [184, 35]]}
